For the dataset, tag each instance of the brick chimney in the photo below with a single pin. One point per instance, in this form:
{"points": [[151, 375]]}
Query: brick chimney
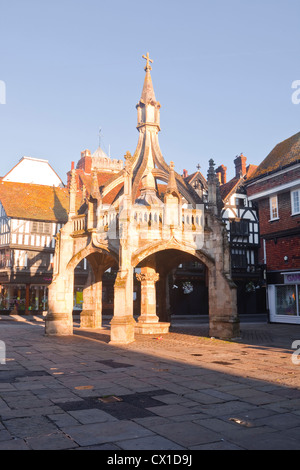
{"points": [[221, 173], [185, 173], [85, 162], [69, 175], [240, 166]]}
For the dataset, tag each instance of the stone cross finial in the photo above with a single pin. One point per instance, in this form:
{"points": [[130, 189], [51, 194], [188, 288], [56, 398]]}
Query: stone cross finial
{"points": [[148, 66]]}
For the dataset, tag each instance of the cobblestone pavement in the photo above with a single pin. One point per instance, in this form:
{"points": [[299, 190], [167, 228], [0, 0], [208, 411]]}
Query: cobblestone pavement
{"points": [[179, 391]]}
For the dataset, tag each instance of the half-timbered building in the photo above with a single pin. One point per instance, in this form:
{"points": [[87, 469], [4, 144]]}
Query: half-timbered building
{"points": [[241, 218], [31, 215]]}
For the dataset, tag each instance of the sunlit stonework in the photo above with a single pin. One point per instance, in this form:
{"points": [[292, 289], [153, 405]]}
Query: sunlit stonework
{"points": [[141, 230]]}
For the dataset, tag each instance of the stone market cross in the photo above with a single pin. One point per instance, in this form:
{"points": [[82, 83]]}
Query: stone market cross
{"points": [[141, 230]]}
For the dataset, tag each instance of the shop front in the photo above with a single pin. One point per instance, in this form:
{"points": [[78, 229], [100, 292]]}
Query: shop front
{"points": [[24, 298], [284, 299]]}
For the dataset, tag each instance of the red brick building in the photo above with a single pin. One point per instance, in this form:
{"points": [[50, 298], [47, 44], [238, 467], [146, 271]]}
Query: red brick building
{"points": [[275, 187]]}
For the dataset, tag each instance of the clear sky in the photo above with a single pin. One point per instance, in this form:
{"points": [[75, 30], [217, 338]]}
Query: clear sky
{"points": [[222, 71]]}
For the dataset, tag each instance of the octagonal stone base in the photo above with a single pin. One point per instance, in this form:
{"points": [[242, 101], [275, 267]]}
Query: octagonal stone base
{"points": [[155, 328], [122, 330], [58, 325], [224, 329]]}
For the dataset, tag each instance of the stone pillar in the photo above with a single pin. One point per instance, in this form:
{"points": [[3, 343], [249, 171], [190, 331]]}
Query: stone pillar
{"points": [[148, 322], [91, 315], [123, 323], [223, 317], [148, 278], [163, 298], [59, 320]]}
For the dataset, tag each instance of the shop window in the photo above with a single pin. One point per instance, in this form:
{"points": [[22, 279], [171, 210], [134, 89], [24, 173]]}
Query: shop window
{"points": [[38, 298], [286, 300], [13, 297]]}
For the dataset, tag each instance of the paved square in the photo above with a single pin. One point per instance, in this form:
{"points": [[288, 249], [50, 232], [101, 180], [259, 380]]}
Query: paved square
{"points": [[185, 391]]}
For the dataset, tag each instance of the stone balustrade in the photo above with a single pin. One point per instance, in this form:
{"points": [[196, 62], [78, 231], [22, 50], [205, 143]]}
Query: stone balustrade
{"points": [[79, 223]]}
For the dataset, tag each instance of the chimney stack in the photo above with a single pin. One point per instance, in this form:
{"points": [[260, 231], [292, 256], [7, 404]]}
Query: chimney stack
{"points": [[240, 166], [221, 174]]}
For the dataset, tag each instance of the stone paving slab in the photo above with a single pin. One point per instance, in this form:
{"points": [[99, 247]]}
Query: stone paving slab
{"points": [[183, 391]]}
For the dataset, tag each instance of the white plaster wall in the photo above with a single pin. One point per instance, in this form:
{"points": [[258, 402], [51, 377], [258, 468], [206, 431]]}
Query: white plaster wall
{"points": [[33, 170]]}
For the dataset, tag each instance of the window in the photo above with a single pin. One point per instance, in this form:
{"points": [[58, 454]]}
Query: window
{"points": [[274, 208], [240, 202], [239, 227], [239, 259], [286, 300], [295, 198], [40, 227]]}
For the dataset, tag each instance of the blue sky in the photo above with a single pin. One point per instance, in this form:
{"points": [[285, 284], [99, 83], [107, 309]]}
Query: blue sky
{"points": [[222, 71]]}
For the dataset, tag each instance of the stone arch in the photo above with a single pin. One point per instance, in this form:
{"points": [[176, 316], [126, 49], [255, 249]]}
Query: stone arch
{"points": [[99, 260], [89, 252], [156, 262], [149, 250], [223, 320]]}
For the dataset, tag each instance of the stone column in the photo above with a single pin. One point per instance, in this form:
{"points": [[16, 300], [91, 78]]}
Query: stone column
{"points": [[123, 323], [148, 278], [163, 298], [59, 320], [91, 315], [223, 317], [148, 322]]}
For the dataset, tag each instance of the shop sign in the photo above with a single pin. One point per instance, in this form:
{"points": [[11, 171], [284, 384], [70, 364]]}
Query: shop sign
{"points": [[292, 278]]}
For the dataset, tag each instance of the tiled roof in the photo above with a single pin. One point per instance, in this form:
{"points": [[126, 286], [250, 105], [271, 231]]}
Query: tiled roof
{"points": [[233, 185], [34, 201], [227, 188], [190, 178], [284, 154]]}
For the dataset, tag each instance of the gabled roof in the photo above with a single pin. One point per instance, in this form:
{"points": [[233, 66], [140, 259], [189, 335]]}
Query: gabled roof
{"points": [[35, 202], [197, 174], [284, 154]]}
